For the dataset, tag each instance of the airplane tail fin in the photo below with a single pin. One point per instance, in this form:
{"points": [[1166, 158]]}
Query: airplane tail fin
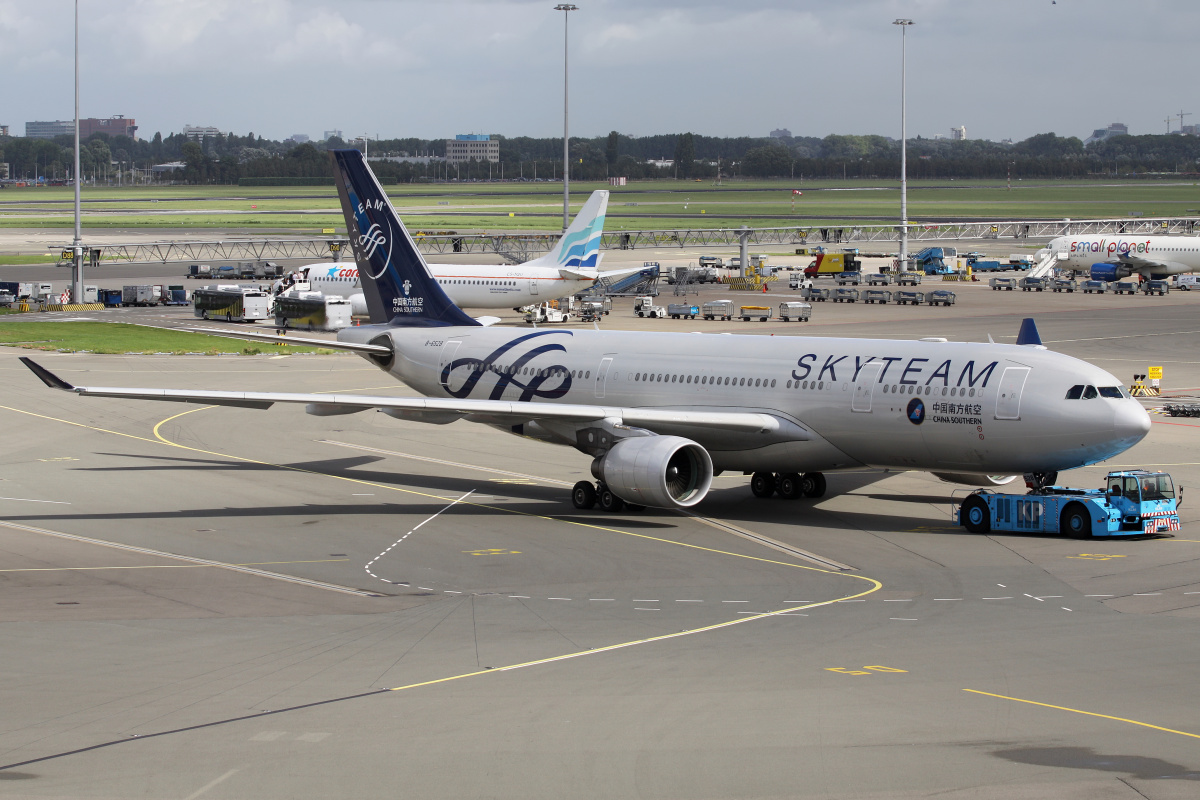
{"points": [[579, 246], [397, 284]]}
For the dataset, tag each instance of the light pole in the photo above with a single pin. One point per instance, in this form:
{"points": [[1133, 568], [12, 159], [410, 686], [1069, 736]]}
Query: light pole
{"points": [[903, 23], [77, 243], [566, 8]]}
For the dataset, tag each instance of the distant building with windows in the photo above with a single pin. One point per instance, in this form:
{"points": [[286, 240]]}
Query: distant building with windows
{"points": [[118, 125], [299, 138], [198, 133], [3, 130], [958, 134], [48, 130], [781, 133], [472, 147], [1100, 134], [331, 134]]}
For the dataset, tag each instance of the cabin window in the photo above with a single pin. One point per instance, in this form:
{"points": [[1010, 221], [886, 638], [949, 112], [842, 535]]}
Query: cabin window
{"points": [[1075, 392], [589, 374], [789, 385], [885, 389], [821, 385], [689, 378], [756, 381], [772, 383]]}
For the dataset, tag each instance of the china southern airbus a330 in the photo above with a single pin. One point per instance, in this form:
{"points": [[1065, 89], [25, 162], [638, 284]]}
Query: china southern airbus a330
{"points": [[658, 414]]}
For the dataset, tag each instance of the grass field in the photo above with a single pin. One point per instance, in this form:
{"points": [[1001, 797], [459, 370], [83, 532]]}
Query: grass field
{"points": [[108, 337], [639, 206]]}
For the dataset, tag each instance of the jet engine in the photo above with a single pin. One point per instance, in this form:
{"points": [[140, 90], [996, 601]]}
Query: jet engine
{"points": [[659, 471], [1109, 272], [974, 478]]}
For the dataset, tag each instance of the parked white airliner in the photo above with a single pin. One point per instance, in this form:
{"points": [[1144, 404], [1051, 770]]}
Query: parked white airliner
{"points": [[660, 413], [571, 267], [1113, 258]]}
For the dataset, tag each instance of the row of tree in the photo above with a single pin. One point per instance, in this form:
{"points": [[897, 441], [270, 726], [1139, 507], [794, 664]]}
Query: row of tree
{"points": [[229, 158]]}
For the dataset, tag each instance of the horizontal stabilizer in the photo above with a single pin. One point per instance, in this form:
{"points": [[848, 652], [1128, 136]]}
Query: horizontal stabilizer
{"points": [[331, 344]]}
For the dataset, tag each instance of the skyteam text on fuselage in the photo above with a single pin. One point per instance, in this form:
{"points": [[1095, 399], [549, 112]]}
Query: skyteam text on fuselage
{"points": [[1110, 258], [660, 413]]}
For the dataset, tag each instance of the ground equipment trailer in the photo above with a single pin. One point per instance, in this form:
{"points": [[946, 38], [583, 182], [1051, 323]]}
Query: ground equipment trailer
{"points": [[1132, 503], [677, 310]]}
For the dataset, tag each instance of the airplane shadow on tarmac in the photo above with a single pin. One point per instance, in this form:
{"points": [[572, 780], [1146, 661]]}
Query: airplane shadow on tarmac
{"points": [[1141, 767]]}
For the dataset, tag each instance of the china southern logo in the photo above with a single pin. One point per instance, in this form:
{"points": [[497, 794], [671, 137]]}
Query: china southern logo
{"points": [[916, 411], [407, 287]]}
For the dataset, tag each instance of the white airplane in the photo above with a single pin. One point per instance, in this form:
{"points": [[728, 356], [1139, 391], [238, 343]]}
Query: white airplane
{"points": [[571, 267], [660, 414], [1112, 258]]}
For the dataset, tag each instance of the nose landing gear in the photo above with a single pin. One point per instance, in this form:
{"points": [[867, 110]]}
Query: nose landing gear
{"points": [[789, 485]]}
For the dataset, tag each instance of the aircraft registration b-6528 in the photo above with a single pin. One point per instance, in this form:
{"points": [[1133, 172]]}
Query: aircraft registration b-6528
{"points": [[660, 413]]}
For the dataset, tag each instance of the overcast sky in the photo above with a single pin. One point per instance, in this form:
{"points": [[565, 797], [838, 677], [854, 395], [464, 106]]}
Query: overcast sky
{"points": [[718, 67]]}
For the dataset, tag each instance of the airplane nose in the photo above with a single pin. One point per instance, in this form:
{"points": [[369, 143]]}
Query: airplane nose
{"points": [[1131, 422]]}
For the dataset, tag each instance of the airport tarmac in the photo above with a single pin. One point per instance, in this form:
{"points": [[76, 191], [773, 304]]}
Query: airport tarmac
{"points": [[225, 603]]}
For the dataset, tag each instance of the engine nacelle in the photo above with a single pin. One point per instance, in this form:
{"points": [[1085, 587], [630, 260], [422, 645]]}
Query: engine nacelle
{"points": [[974, 478], [1109, 272], [358, 305], [659, 471]]}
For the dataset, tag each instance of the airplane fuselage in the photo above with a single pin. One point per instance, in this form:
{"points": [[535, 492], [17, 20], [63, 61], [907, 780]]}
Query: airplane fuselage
{"points": [[468, 286], [845, 403], [1153, 256]]}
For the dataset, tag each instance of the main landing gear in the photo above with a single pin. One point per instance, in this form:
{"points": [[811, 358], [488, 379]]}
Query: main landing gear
{"points": [[788, 485], [585, 495]]}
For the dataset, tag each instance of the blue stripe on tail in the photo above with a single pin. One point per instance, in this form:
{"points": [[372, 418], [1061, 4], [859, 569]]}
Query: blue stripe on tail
{"points": [[397, 284]]}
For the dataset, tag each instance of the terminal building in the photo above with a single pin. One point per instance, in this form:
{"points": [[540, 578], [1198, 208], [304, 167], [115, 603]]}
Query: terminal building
{"points": [[1100, 134], [472, 147], [118, 125]]}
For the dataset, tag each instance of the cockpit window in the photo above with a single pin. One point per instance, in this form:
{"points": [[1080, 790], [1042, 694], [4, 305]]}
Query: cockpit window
{"points": [[1075, 392], [1111, 391], [1089, 392]]}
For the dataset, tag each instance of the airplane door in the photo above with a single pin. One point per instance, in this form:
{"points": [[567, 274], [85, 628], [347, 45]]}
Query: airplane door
{"points": [[533, 286], [602, 375], [864, 387], [1008, 396], [448, 351]]}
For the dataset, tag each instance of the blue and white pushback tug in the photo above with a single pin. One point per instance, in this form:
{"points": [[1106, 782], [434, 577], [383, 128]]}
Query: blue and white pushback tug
{"points": [[1133, 503]]}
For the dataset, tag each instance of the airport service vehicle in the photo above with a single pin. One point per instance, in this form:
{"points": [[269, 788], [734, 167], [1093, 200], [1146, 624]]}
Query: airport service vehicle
{"points": [[763, 313], [1187, 282], [1157, 286], [312, 311], [173, 296], [677, 310], [832, 264], [231, 303], [141, 295], [799, 282], [227, 273], [21, 291], [1112, 258], [909, 297], [571, 267], [1132, 503], [710, 262], [546, 312], [815, 294], [1031, 284], [1067, 285], [878, 279], [111, 298], [876, 296], [1089, 286], [981, 265], [659, 413], [7, 299], [717, 309], [203, 271], [1020, 261], [845, 294], [644, 307], [941, 297], [854, 278], [1125, 287], [1007, 284], [908, 279], [935, 260], [801, 312]]}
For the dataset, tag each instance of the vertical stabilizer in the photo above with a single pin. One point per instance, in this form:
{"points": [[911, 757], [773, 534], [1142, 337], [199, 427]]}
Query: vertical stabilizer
{"points": [[396, 282], [579, 247], [1028, 333]]}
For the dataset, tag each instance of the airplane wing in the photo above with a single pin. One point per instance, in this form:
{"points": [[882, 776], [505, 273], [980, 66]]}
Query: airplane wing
{"points": [[1138, 263], [441, 411]]}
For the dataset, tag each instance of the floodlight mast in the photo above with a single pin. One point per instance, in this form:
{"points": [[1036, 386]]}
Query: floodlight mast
{"points": [[567, 8], [903, 266], [77, 243]]}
